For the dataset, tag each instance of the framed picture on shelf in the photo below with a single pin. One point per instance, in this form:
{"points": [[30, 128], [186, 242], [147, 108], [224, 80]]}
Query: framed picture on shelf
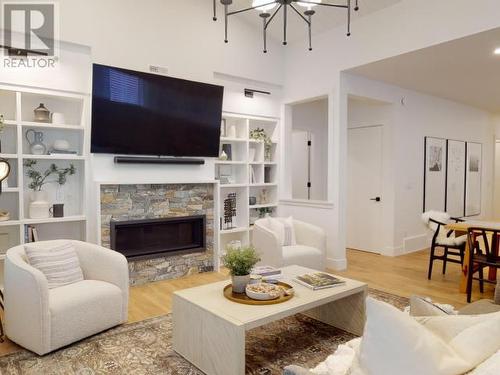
{"points": [[455, 178], [434, 174], [473, 172]]}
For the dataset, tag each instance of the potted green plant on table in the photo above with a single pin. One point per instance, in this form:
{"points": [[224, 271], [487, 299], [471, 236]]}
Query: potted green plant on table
{"points": [[239, 262]]}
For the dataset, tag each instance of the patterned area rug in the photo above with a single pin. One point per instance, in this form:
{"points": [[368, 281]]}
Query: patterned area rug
{"points": [[145, 348]]}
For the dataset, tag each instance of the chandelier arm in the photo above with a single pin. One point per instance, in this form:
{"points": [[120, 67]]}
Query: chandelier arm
{"points": [[225, 23], [356, 6], [309, 26], [250, 8], [215, 11], [300, 14], [323, 4], [285, 23], [265, 34], [274, 14], [348, 17]]}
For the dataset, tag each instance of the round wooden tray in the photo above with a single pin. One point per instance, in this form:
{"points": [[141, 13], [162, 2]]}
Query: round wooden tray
{"points": [[244, 299]]}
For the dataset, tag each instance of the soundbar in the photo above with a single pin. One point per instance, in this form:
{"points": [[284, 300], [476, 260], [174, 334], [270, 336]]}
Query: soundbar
{"points": [[156, 160]]}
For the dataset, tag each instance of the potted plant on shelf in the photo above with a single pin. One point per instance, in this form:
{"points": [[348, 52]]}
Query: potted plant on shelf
{"points": [[39, 207], [239, 262], [261, 135]]}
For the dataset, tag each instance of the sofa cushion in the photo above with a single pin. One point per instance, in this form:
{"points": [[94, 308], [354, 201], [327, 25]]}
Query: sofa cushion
{"points": [[305, 256], [489, 367], [395, 343], [82, 309], [59, 264]]}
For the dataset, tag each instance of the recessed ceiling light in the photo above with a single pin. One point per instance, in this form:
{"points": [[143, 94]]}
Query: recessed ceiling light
{"points": [[497, 51]]}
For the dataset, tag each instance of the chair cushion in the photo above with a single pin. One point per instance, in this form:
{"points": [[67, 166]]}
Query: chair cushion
{"points": [[305, 256], [483, 306], [59, 264], [420, 306], [451, 241], [82, 309]]}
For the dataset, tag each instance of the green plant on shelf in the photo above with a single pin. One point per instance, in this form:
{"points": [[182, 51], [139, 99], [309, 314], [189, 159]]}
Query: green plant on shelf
{"points": [[2, 123], [263, 211], [39, 179], [240, 261], [261, 135]]}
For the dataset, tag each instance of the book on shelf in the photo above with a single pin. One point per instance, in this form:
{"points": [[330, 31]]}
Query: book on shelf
{"points": [[318, 280], [62, 152], [30, 234], [266, 271]]}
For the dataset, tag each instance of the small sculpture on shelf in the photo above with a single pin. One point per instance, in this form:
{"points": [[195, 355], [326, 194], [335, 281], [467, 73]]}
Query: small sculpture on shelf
{"points": [[261, 135], [263, 197], [42, 114], [39, 207], [229, 210]]}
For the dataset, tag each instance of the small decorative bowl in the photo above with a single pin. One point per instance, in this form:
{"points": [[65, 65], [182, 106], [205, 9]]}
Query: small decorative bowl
{"points": [[263, 291]]}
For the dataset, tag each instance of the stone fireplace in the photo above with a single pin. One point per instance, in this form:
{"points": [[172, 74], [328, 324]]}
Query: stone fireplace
{"points": [[163, 223]]}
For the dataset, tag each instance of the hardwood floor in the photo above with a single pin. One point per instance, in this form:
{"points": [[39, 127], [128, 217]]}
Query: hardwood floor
{"points": [[404, 275]]}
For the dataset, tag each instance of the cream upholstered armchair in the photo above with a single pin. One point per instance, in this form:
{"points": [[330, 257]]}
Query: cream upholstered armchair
{"points": [[309, 250], [42, 319]]}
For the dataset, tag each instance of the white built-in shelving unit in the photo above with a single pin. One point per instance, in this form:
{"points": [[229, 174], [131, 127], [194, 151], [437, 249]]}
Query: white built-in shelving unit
{"points": [[17, 105], [239, 169]]}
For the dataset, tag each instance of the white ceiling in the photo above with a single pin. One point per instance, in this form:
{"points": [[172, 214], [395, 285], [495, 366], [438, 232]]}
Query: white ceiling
{"points": [[325, 18], [464, 70]]}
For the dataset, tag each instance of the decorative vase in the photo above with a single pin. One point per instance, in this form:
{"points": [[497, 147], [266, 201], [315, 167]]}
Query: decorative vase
{"points": [[231, 132], [42, 114], [223, 156], [37, 147], [240, 283], [39, 207], [251, 154]]}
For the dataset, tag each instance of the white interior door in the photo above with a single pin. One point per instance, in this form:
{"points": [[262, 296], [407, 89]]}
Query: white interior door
{"points": [[364, 199], [300, 162]]}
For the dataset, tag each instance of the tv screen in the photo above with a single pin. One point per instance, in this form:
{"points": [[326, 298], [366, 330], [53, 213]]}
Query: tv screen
{"points": [[137, 113]]}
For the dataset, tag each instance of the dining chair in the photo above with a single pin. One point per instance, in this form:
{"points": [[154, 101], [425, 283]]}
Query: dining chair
{"points": [[483, 252], [453, 247]]}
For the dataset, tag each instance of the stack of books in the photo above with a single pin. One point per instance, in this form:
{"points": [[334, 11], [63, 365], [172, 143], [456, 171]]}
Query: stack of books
{"points": [[318, 280], [267, 273]]}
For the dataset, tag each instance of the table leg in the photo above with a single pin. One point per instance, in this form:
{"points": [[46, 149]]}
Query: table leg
{"points": [[214, 345], [348, 313], [465, 267]]}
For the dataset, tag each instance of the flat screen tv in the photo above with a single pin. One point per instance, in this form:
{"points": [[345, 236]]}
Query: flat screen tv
{"points": [[137, 113]]}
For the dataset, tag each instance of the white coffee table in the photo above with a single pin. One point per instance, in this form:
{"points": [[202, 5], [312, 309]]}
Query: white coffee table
{"points": [[209, 330]]}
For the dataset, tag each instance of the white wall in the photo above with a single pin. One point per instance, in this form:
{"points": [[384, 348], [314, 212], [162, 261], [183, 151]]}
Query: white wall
{"points": [[421, 115], [313, 117], [495, 122], [404, 27]]}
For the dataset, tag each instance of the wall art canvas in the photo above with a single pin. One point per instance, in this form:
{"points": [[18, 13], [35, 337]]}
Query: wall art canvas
{"points": [[455, 178], [435, 174], [473, 179]]}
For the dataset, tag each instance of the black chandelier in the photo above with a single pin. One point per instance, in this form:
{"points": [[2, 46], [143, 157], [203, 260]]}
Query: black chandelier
{"points": [[265, 6]]}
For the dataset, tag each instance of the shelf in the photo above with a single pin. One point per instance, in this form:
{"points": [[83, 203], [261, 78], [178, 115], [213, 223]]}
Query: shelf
{"points": [[8, 156], [48, 125], [230, 162], [51, 220], [9, 223], [54, 157], [232, 185], [10, 123], [264, 184], [228, 139], [267, 205], [10, 190], [234, 230]]}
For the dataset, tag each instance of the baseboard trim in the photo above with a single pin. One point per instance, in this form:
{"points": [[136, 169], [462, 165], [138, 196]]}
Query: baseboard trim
{"points": [[336, 264]]}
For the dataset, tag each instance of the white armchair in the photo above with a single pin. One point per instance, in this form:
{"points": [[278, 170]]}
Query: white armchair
{"points": [[310, 250], [42, 319]]}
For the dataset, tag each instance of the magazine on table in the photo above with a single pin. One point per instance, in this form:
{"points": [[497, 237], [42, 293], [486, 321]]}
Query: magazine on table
{"points": [[318, 280], [266, 271]]}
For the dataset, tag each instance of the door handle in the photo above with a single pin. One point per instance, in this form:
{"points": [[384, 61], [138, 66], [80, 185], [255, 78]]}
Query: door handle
{"points": [[376, 199]]}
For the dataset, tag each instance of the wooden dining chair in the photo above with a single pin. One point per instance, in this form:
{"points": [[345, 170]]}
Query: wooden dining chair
{"points": [[483, 252], [454, 247]]}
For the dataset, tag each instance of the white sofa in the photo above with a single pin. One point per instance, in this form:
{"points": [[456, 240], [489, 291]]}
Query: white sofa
{"points": [[310, 250], [42, 319]]}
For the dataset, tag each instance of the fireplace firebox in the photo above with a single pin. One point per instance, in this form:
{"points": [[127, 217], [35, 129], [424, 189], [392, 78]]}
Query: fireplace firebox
{"points": [[152, 238]]}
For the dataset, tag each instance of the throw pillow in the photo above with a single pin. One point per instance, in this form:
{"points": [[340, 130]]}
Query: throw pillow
{"points": [[395, 343], [289, 232], [420, 306], [59, 264], [278, 228]]}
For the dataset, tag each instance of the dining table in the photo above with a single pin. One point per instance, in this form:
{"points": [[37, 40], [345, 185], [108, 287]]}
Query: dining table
{"points": [[461, 229]]}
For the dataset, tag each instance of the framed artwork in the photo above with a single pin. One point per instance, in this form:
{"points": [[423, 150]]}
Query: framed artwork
{"points": [[455, 178], [435, 174], [473, 171]]}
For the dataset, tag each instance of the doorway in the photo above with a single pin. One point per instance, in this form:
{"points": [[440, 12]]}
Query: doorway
{"points": [[364, 189]]}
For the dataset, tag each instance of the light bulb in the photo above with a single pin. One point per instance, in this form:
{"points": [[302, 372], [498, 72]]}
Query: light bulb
{"points": [[264, 8], [497, 51], [307, 4]]}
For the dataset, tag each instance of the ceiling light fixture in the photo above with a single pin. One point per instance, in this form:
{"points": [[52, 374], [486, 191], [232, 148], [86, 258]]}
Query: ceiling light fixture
{"points": [[266, 6], [497, 51]]}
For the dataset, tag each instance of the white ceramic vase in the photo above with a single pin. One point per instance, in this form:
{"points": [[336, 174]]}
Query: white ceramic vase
{"points": [[251, 154], [39, 207], [240, 283]]}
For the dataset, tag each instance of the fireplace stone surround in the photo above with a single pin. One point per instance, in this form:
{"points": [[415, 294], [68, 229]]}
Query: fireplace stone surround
{"points": [[129, 202]]}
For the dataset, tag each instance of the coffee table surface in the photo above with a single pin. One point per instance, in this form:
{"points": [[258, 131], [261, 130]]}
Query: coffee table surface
{"points": [[211, 299]]}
